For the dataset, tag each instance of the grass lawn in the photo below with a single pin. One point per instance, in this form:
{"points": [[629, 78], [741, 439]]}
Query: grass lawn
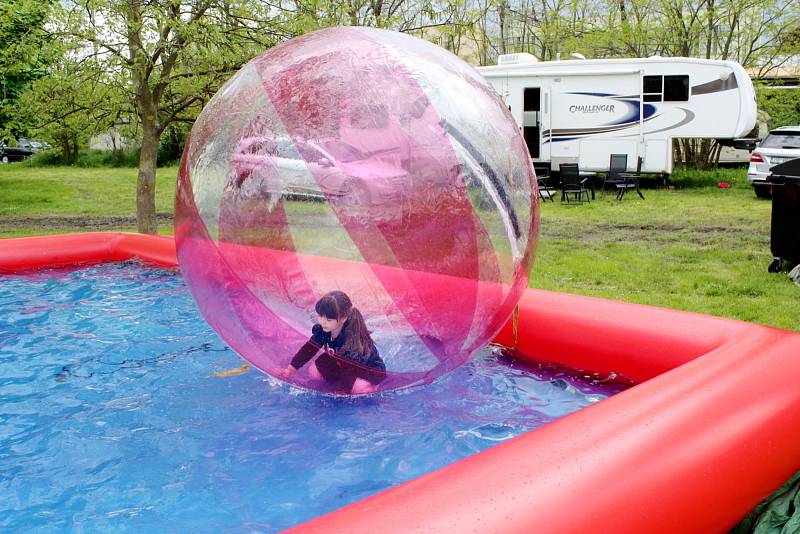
{"points": [[701, 249], [47, 200], [704, 250]]}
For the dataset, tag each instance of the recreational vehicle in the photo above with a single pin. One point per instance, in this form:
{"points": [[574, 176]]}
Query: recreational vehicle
{"points": [[581, 111]]}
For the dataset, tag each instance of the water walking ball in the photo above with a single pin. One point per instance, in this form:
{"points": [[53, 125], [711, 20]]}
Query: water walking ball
{"points": [[369, 162]]}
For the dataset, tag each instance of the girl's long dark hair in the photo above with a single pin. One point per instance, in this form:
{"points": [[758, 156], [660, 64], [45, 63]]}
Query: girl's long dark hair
{"points": [[337, 305]]}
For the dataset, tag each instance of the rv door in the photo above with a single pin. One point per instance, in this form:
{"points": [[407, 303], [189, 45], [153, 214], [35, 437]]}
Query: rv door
{"points": [[535, 121]]}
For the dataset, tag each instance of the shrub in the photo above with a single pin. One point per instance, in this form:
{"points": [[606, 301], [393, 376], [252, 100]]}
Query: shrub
{"points": [[128, 157], [170, 148], [46, 158], [687, 177], [782, 105], [87, 158]]}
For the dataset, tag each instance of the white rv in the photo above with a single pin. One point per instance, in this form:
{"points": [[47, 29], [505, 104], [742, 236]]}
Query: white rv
{"points": [[581, 111]]}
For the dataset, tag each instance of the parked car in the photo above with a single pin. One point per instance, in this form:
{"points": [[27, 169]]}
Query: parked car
{"points": [[13, 153], [33, 145], [782, 144], [377, 183], [304, 170]]}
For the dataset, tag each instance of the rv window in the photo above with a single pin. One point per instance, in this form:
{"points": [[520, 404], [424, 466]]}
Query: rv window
{"points": [[676, 88], [672, 88], [652, 84], [652, 88]]}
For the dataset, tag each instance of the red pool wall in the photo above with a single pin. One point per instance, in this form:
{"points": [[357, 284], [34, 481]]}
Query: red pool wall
{"points": [[29, 253], [712, 430]]}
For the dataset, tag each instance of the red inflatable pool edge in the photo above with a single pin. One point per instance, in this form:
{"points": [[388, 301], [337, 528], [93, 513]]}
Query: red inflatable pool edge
{"points": [[21, 254], [711, 430]]}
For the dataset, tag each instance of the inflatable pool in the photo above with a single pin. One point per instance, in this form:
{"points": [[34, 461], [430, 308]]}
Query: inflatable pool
{"points": [[711, 429]]}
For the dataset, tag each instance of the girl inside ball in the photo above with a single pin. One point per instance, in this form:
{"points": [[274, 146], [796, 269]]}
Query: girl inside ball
{"points": [[350, 361]]}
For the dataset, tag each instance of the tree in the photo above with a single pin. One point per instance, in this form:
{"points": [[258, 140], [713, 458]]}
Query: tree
{"points": [[781, 105], [168, 57], [23, 55], [72, 103], [399, 15]]}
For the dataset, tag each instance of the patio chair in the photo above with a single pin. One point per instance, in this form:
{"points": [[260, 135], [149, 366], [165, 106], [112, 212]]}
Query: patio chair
{"points": [[546, 191], [571, 183], [617, 165], [631, 181]]}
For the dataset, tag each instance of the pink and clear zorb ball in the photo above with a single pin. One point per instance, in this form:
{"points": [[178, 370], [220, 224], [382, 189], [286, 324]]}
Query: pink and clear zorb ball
{"points": [[364, 161]]}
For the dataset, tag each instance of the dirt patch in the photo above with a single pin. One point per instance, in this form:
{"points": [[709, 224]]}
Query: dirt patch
{"points": [[654, 233], [668, 228], [587, 233], [9, 223]]}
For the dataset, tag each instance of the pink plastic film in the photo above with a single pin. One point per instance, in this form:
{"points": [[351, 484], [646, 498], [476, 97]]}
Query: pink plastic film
{"points": [[364, 161]]}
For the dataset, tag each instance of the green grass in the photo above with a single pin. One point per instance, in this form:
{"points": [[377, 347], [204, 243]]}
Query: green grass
{"points": [[697, 247], [683, 178], [78, 191]]}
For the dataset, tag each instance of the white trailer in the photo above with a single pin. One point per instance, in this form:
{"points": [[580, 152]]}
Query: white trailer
{"points": [[581, 111]]}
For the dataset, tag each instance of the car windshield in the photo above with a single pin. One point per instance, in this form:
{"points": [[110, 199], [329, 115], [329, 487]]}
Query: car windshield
{"points": [[782, 140]]}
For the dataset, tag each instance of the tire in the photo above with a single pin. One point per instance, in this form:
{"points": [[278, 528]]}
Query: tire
{"points": [[5, 159], [775, 266], [763, 191]]}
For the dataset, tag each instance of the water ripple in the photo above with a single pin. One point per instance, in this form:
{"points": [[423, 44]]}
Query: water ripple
{"points": [[109, 422]]}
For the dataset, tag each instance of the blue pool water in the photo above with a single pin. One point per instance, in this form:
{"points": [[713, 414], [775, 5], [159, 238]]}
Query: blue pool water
{"points": [[111, 422]]}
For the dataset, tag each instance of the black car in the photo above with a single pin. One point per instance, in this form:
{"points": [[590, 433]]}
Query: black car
{"points": [[13, 153]]}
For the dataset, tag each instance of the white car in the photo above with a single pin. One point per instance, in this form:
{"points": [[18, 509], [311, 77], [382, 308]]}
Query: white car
{"points": [[782, 144]]}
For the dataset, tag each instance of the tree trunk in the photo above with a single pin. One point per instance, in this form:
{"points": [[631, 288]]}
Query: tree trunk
{"points": [[704, 159], [147, 109], [146, 185], [696, 153], [715, 154], [709, 27], [688, 152], [69, 147], [502, 14]]}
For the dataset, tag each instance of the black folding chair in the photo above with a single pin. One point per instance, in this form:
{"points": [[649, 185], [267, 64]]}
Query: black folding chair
{"points": [[546, 191], [617, 165], [631, 181], [571, 183]]}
